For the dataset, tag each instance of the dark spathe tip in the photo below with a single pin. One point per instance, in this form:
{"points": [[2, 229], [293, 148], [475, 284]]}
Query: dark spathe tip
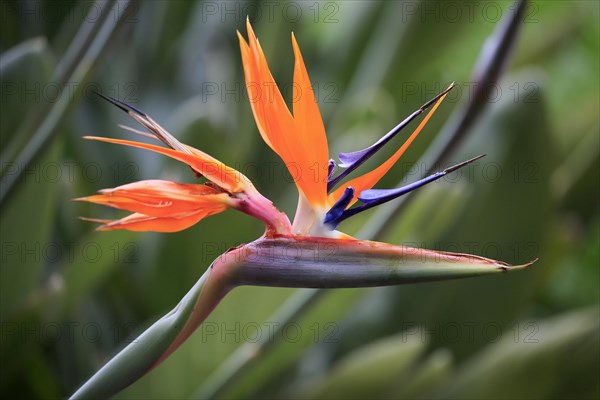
{"points": [[121, 104]]}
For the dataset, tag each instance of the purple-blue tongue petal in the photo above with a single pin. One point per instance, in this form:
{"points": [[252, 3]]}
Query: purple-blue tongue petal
{"points": [[352, 160], [333, 215], [374, 197], [347, 159], [373, 194], [330, 169]]}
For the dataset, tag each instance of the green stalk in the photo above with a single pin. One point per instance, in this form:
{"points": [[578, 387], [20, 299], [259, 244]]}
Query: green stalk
{"points": [[158, 341]]}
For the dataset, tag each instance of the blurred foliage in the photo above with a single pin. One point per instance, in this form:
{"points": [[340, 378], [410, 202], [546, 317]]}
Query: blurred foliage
{"points": [[71, 297]]}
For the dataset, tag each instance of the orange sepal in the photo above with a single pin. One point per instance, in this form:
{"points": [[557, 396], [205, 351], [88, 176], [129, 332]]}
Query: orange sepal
{"points": [[299, 139], [143, 223], [214, 170], [159, 198], [314, 150]]}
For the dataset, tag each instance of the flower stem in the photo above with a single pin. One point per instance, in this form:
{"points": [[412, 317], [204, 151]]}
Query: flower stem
{"points": [[256, 205]]}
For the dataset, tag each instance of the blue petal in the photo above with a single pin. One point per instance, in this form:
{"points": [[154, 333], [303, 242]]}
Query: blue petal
{"points": [[367, 196], [333, 215], [379, 196], [330, 169], [347, 159], [352, 160], [374, 197]]}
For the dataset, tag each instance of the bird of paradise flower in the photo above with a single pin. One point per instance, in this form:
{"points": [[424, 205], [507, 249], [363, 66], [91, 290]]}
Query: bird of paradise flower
{"points": [[323, 257]]}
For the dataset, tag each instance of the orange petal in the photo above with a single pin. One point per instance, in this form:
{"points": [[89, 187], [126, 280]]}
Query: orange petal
{"points": [[368, 180], [228, 178], [162, 198], [271, 113], [300, 139], [143, 223], [311, 131], [254, 94], [155, 187]]}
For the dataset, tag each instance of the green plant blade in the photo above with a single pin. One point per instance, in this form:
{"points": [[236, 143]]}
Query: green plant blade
{"points": [[425, 375], [22, 250], [555, 358], [83, 54], [368, 371]]}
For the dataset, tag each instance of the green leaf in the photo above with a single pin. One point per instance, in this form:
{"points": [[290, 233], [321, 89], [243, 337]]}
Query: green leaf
{"points": [[554, 358], [25, 71], [25, 250], [370, 370], [263, 368], [426, 375], [83, 273]]}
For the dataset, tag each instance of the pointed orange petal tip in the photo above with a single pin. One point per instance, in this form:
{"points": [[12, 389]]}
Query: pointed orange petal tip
{"points": [[96, 220], [251, 35], [241, 38], [102, 222]]}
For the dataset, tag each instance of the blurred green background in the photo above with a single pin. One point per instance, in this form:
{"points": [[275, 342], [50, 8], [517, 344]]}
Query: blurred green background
{"points": [[71, 297]]}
